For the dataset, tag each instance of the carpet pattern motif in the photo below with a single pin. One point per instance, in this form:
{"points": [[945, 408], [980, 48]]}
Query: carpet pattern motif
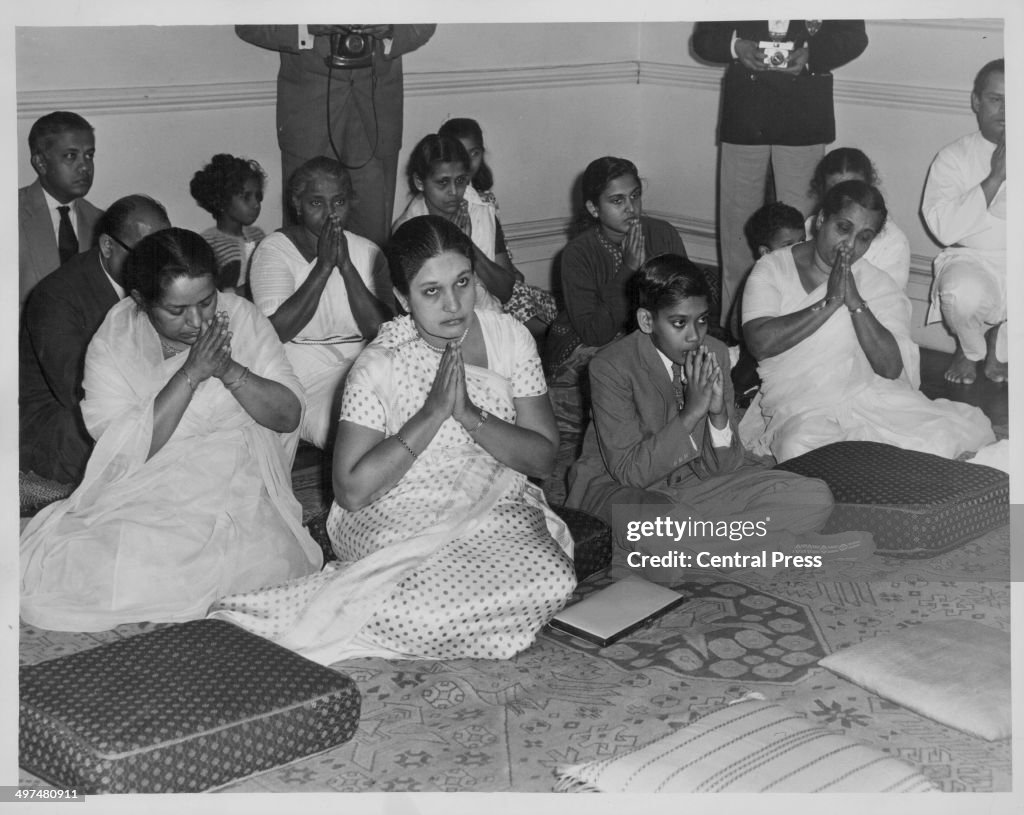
{"points": [[505, 726]]}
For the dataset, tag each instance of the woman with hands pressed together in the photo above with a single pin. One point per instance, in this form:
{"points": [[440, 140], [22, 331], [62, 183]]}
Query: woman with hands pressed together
{"points": [[831, 334], [597, 270], [323, 288], [446, 549], [187, 494]]}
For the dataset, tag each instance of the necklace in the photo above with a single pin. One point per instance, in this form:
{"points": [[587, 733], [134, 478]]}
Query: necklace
{"points": [[613, 250], [437, 350], [169, 350]]}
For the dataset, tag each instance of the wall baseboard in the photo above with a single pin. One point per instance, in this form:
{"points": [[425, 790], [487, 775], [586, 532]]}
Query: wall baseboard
{"points": [[535, 245]]}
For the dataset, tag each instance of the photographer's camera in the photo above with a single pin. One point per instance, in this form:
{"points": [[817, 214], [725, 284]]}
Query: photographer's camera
{"points": [[350, 49], [776, 54]]}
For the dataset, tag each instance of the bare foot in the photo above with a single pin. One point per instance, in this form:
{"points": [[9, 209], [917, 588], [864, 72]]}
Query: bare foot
{"points": [[961, 371], [995, 370]]}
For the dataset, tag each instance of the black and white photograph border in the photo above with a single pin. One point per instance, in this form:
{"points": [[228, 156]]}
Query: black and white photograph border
{"points": [[554, 84]]}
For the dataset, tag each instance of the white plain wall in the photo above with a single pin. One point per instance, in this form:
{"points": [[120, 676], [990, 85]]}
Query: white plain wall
{"points": [[550, 98]]}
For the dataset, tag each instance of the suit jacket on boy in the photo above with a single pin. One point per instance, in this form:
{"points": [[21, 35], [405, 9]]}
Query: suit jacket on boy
{"points": [[628, 445], [37, 243]]}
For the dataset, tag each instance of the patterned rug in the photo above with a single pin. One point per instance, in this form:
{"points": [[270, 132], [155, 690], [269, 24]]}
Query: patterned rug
{"points": [[506, 725]]}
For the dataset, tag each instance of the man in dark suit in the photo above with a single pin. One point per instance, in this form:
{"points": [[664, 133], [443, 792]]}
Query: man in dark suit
{"points": [[663, 435], [61, 315], [55, 221], [363, 105], [776, 112]]}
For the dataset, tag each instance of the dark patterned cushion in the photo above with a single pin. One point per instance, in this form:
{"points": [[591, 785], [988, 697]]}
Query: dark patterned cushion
{"points": [[183, 708], [593, 538], [915, 504]]}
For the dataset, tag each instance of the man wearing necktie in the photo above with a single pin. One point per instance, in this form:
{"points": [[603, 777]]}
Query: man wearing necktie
{"points": [[55, 222]]}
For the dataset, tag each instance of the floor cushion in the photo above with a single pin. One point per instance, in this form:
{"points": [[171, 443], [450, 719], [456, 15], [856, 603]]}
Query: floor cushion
{"points": [[956, 672], [748, 746], [914, 504], [592, 536], [182, 708]]}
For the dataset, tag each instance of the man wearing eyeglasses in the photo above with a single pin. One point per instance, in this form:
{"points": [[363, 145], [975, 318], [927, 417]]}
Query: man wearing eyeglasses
{"points": [[61, 314]]}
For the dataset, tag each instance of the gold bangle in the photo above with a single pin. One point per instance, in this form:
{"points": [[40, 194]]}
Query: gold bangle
{"points": [[823, 303], [188, 378], [405, 444], [862, 307], [483, 418], [239, 380]]}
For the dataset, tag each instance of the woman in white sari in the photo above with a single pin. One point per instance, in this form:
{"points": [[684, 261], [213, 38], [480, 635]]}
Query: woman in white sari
{"points": [[187, 494], [831, 334], [446, 549]]}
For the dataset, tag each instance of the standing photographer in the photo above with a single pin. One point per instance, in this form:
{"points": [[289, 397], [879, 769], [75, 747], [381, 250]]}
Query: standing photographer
{"points": [[776, 111], [351, 77]]}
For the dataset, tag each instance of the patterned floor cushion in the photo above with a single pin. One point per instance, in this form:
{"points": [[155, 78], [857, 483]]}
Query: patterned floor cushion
{"points": [[915, 504], [182, 708], [593, 538]]}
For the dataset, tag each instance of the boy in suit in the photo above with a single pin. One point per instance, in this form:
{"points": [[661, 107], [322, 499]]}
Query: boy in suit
{"points": [[55, 222], [663, 437]]}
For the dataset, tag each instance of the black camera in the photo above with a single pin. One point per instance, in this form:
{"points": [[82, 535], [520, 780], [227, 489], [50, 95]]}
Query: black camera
{"points": [[350, 48], [776, 54]]}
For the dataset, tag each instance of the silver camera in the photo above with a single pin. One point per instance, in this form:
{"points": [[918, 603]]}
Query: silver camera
{"points": [[776, 54]]}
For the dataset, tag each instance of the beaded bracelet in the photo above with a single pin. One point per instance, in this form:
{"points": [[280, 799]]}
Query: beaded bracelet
{"points": [[184, 373], [405, 444], [239, 381]]}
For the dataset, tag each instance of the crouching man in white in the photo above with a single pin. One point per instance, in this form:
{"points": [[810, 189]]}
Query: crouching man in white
{"points": [[964, 206]]}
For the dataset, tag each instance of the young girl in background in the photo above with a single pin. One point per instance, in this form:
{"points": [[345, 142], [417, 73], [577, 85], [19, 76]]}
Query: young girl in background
{"points": [[439, 174], [231, 190], [530, 305], [890, 250], [597, 268]]}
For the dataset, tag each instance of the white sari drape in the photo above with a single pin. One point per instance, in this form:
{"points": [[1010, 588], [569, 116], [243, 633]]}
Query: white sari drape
{"points": [[455, 491], [824, 390], [159, 539]]}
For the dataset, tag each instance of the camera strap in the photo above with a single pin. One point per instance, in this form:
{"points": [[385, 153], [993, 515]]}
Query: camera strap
{"points": [[373, 107]]}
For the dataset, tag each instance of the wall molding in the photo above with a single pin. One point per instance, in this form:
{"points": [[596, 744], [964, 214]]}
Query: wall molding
{"points": [[225, 95], [903, 96], [538, 77], [162, 99], [228, 95], [993, 25]]}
